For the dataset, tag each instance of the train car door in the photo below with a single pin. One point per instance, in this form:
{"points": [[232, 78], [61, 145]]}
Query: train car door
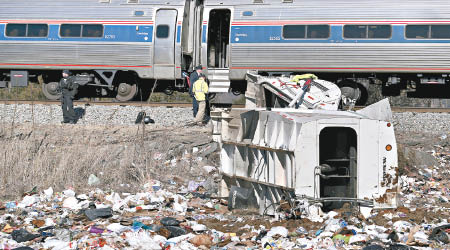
{"points": [[218, 50], [164, 48], [218, 38]]}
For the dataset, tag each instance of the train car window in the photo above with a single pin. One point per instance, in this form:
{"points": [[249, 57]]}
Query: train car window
{"points": [[139, 13], [417, 31], [440, 31], [16, 30], [70, 30], [37, 30], [379, 31], [355, 31], [162, 31], [294, 31], [318, 31], [92, 30]]}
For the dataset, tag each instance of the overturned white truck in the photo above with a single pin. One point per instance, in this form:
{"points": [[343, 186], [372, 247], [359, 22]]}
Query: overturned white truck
{"points": [[327, 157]]}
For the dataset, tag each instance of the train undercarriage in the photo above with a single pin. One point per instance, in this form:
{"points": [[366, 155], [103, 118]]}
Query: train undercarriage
{"points": [[121, 85], [128, 86]]}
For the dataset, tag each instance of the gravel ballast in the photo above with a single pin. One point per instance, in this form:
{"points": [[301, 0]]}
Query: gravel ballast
{"points": [[94, 115], [430, 123], [407, 122]]}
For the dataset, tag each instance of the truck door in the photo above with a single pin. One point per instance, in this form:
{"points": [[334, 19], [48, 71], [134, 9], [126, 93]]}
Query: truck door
{"points": [[164, 51]]}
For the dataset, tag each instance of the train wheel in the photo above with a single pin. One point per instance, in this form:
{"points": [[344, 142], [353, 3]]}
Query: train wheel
{"points": [[50, 90], [126, 92]]}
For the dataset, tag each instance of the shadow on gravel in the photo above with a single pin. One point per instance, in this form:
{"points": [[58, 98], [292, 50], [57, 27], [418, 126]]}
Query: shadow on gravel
{"points": [[79, 113]]}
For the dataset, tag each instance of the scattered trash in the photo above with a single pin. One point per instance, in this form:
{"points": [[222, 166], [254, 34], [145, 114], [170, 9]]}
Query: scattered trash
{"points": [[72, 203], [148, 120], [48, 193], [169, 221], [178, 214], [193, 186], [210, 169], [93, 180], [440, 233], [23, 235], [93, 214], [238, 198], [96, 230], [175, 231], [281, 231], [11, 205], [202, 240]]}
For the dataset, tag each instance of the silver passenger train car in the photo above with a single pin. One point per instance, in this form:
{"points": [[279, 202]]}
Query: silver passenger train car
{"points": [[122, 46]]}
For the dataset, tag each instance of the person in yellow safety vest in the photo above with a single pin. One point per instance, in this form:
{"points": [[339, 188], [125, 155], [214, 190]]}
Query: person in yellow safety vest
{"points": [[200, 90]]}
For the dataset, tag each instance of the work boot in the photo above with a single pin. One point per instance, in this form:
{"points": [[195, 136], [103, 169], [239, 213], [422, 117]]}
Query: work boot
{"points": [[72, 122], [64, 121]]}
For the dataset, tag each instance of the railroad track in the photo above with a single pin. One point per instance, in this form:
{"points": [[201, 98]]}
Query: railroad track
{"points": [[105, 103], [186, 105], [420, 110]]}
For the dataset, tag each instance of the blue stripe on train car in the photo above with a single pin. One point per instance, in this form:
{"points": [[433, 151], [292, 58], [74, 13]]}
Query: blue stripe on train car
{"points": [[204, 30], [178, 34], [112, 33], [273, 34]]}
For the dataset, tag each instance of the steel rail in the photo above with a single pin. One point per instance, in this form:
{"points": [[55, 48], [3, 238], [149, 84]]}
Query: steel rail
{"points": [[186, 105]]}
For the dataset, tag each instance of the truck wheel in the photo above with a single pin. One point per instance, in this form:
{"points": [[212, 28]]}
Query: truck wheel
{"points": [[354, 90]]}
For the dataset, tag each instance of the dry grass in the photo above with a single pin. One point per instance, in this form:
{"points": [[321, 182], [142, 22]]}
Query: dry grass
{"points": [[31, 92], [34, 92], [64, 156]]}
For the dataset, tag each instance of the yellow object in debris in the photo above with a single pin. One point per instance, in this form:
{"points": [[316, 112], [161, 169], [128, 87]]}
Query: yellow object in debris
{"points": [[8, 229], [297, 78]]}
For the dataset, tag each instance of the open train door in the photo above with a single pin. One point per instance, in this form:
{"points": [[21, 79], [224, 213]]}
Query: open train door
{"points": [[218, 50], [164, 49]]}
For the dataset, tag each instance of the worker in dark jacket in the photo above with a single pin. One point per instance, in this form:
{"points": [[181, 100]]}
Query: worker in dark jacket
{"points": [[192, 79], [69, 89]]}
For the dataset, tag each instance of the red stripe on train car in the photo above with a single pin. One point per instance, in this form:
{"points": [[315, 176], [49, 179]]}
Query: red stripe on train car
{"points": [[78, 21], [268, 23], [435, 69], [75, 65]]}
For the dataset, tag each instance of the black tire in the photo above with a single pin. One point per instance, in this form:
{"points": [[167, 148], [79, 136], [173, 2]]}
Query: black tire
{"points": [[361, 93]]}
